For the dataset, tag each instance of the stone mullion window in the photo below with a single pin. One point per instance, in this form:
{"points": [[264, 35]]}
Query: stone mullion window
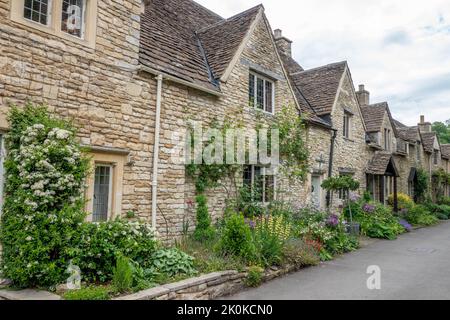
{"points": [[347, 125], [261, 93], [73, 20]]}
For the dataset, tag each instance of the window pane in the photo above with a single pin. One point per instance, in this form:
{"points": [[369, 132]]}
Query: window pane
{"points": [[258, 185], [260, 94], [269, 97], [251, 91], [72, 17], [36, 10], [101, 193], [270, 188], [247, 178]]}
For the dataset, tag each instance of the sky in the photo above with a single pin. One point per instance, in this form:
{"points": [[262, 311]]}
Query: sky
{"points": [[399, 49]]}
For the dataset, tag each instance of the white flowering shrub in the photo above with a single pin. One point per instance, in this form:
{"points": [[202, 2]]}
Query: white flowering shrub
{"points": [[43, 209], [99, 244]]}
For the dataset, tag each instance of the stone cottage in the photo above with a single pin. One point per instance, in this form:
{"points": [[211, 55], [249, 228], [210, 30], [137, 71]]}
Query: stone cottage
{"points": [[132, 74], [329, 93], [382, 139]]}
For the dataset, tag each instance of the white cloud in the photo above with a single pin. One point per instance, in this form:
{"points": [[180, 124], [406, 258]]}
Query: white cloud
{"points": [[399, 49]]}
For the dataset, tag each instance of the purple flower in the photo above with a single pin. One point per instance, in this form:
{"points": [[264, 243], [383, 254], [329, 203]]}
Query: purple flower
{"points": [[333, 220], [405, 225], [369, 208], [251, 223], [354, 197]]}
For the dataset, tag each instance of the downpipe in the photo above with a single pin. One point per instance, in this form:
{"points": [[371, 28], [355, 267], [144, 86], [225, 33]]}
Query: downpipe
{"points": [[159, 79]]}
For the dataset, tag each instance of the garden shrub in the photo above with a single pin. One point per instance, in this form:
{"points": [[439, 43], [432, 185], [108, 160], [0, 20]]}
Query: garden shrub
{"points": [[444, 201], [45, 176], [378, 221], [236, 238], [403, 200], [419, 215], [123, 274], [89, 293], [203, 229], [98, 245], [269, 235], [254, 276], [171, 262], [298, 253]]}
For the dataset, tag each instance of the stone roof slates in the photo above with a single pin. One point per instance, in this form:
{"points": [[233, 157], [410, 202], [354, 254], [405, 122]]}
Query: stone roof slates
{"points": [[186, 40], [320, 85], [445, 150], [428, 141], [379, 163], [222, 40]]}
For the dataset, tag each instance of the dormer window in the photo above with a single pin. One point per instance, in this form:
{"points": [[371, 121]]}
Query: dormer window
{"points": [[261, 93]]}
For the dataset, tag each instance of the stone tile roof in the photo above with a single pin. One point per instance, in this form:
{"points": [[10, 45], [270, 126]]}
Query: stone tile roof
{"points": [[409, 133], [445, 150], [373, 116], [289, 63], [222, 40], [188, 41], [379, 164], [428, 141], [320, 85]]}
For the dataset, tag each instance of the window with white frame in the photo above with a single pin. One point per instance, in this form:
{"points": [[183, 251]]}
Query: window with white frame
{"points": [[72, 17], [102, 193], [2, 157], [261, 183], [74, 20], [37, 11], [261, 92], [347, 125]]}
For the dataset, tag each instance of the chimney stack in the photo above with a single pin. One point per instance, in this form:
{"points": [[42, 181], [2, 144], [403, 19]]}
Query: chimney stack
{"points": [[363, 96], [283, 43], [424, 126]]}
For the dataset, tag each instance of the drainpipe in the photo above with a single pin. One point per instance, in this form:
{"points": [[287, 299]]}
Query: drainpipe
{"points": [[156, 149], [330, 163]]}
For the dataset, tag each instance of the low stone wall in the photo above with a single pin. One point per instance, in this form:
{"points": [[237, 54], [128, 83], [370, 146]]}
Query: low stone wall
{"points": [[204, 287]]}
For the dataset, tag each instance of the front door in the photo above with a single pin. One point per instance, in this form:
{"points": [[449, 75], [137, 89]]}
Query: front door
{"points": [[316, 191]]}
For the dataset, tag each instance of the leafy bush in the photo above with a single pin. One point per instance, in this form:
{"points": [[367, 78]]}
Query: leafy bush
{"points": [[45, 175], [123, 275], [444, 201], [89, 293], [403, 200], [98, 245], [377, 221], [421, 186], [440, 211], [172, 262], [269, 236], [254, 276], [203, 229], [419, 215], [297, 252], [236, 238]]}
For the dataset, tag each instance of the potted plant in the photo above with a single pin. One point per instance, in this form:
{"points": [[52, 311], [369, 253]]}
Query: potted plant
{"points": [[344, 184]]}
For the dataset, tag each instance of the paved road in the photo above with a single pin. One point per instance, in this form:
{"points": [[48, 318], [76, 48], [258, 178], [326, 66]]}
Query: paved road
{"points": [[415, 266]]}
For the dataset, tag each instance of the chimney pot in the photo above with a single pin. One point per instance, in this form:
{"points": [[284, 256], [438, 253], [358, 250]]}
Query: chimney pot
{"points": [[363, 96], [422, 119], [284, 44], [278, 33]]}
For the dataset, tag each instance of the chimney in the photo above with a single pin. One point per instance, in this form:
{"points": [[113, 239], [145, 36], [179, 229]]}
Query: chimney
{"points": [[424, 126], [363, 96], [284, 44]]}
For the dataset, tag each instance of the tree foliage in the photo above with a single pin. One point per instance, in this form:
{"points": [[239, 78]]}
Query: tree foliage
{"points": [[442, 130]]}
